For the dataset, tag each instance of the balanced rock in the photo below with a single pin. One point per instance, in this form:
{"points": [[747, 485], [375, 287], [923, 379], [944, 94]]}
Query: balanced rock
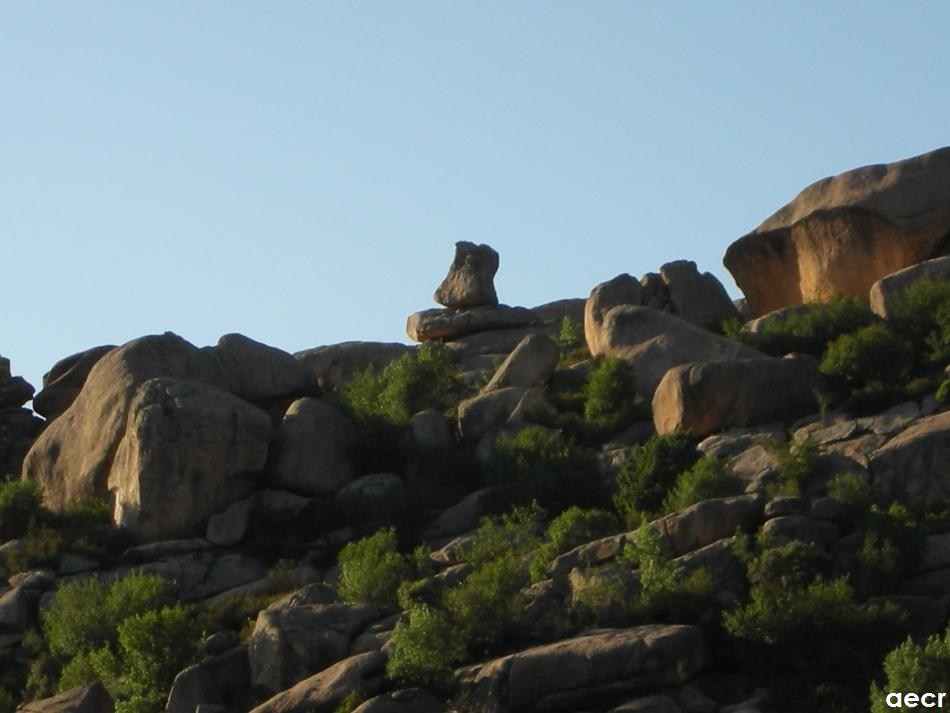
{"points": [[471, 278], [432, 324], [886, 292], [62, 383], [708, 397], [653, 342], [842, 234]]}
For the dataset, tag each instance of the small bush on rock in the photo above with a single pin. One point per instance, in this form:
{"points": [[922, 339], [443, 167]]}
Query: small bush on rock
{"points": [[608, 389], [571, 343], [426, 645], [707, 478], [19, 504], [872, 356], [649, 473], [922, 317], [571, 528], [914, 668], [812, 330], [371, 569], [540, 464]]}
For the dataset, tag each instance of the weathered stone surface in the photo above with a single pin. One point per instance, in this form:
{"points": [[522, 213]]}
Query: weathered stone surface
{"points": [[62, 383], [708, 397], [373, 496], [408, 700], [203, 574], [648, 704], [479, 414], [621, 290], [697, 298], [229, 527], [430, 432], [706, 522], [766, 322], [222, 680], [84, 699], [19, 428], [552, 314], [531, 362], [432, 324], [757, 466], [719, 559], [781, 530], [312, 452], [843, 233], [323, 692], [937, 551], [17, 609], [290, 643], [252, 370], [461, 517], [74, 458], [14, 390], [471, 278], [559, 676], [653, 342], [335, 365], [736, 440], [912, 467], [189, 444], [886, 292]]}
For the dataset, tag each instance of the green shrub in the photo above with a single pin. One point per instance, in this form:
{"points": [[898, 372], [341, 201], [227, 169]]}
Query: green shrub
{"points": [[514, 533], [571, 342], [853, 494], [351, 701], [571, 528], [922, 317], [154, 646], [873, 355], [407, 385], [815, 649], [914, 668], [426, 645], [43, 547], [609, 387], [650, 472], [707, 478], [657, 572], [790, 568], [797, 463], [19, 505], [811, 330], [540, 464], [484, 606], [371, 569]]}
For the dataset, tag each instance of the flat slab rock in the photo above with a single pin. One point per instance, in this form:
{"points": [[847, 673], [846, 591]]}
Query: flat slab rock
{"points": [[432, 324], [557, 677]]}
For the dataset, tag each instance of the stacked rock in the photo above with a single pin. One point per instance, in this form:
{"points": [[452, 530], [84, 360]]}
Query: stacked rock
{"points": [[18, 426], [469, 299]]}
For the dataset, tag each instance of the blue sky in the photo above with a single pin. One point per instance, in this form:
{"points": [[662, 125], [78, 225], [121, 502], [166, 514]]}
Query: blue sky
{"points": [[299, 171]]}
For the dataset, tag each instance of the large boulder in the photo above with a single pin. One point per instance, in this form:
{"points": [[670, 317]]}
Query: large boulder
{"points": [[312, 453], [62, 383], [407, 700], [76, 456], [471, 278], [653, 342], [432, 324], [221, 680], [322, 693], [335, 365], [566, 674], [912, 467], [842, 234], [290, 643], [480, 414], [697, 298], [886, 292], [622, 290], [83, 699], [189, 444], [708, 397], [531, 362]]}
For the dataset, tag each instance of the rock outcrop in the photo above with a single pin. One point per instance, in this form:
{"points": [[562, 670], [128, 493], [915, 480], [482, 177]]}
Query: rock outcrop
{"points": [[18, 426], [335, 365], [62, 383], [843, 233], [83, 699], [471, 278], [886, 292], [708, 397], [432, 324], [912, 468], [653, 342]]}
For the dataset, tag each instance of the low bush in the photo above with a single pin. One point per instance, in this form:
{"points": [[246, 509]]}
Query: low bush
{"points": [[914, 668], [707, 478], [571, 528], [484, 605], [371, 569], [922, 317], [811, 330], [407, 385], [873, 356], [19, 505], [540, 464], [513, 533], [609, 388], [798, 466], [650, 472], [425, 647], [571, 342], [792, 567]]}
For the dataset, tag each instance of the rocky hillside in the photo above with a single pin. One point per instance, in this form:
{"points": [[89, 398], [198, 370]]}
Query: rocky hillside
{"points": [[651, 500]]}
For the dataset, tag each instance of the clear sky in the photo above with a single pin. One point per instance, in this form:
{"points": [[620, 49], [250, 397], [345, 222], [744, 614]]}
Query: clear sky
{"points": [[299, 171]]}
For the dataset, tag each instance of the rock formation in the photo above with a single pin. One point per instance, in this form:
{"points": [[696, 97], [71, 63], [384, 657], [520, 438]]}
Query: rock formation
{"points": [[18, 425], [843, 233], [471, 278]]}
